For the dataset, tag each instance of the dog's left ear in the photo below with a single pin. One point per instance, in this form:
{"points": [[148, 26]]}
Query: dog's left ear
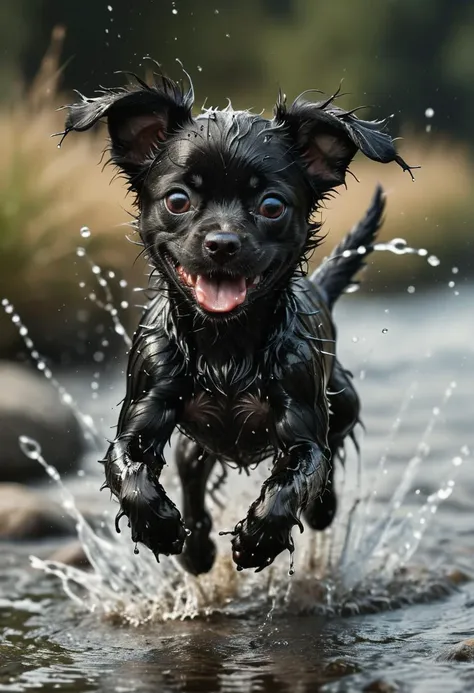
{"points": [[328, 138], [139, 119]]}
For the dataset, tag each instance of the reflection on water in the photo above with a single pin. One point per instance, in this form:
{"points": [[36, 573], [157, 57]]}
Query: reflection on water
{"points": [[404, 535]]}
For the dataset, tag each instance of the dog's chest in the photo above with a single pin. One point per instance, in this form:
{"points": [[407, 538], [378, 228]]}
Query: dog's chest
{"points": [[235, 425]]}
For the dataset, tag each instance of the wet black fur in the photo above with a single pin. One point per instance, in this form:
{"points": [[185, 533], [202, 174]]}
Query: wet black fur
{"points": [[263, 381]]}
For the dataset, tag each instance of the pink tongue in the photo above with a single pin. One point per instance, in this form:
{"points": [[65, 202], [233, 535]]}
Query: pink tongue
{"points": [[220, 295]]}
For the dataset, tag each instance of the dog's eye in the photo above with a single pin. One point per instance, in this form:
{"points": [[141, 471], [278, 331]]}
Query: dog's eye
{"points": [[178, 202], [272, 208]]}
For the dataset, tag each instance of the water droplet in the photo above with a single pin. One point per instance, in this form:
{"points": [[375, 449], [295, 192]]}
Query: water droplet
{"points": [[85, 232], [362, 250], [385, 330], [451, 284], [411, 289], [455, 270], [199, 68], [123, 283], [80, 252], [96, 269], [444, 493], [352, 288], [429, 113], [216, 11], [355, 339], [422, 252], [23, 331], [98, 356], [30, 447], [399, 246], [124, 304], [433, 261], [119, 329], [174, 11], [457, 461], [110, 8]]}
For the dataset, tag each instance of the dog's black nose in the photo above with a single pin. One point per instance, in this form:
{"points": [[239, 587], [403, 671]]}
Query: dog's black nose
{"points": [[222, 245]]}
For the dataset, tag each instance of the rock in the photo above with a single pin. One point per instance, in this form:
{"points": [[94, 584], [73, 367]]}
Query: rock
{"points": [[71, 554], [30, 406], [25, 515], [461, 652]]}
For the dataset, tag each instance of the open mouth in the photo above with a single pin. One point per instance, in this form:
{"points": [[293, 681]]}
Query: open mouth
{"points": [[219, 292]]}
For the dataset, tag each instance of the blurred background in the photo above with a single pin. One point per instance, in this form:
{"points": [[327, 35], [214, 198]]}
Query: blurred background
{"points": [[410, 59]]}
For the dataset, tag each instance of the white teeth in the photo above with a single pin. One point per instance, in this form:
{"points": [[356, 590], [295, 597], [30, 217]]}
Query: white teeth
{"points": [[254, 281], [186, 277]]}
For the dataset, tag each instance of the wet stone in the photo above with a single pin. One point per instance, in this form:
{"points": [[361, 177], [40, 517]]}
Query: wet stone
{"points": [[461, 652], [72, 554], [27, 515], [340, 667], [30, 406]]}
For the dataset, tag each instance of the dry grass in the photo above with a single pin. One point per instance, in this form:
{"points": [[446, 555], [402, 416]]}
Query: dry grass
{"points": [[47, 194]]}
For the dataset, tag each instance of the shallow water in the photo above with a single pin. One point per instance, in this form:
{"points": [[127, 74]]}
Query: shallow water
{"points": [[405, 362]]}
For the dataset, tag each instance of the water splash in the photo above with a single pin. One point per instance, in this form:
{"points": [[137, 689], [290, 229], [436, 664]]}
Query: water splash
{"points": [[109, 305], [397, 246], [357, 566], [91, 434]]}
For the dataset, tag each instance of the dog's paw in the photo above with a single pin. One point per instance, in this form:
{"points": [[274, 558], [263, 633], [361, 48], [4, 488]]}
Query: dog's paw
{"points": [[153, 518], [199, 551], [320, 513], [256, 544]]}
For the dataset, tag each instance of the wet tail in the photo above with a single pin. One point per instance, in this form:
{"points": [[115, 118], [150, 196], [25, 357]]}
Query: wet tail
{"points": [[336, 273]]}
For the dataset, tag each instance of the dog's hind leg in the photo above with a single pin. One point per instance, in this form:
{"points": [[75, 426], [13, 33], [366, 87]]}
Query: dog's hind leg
{"points": [[194, 468], [344, 415]]}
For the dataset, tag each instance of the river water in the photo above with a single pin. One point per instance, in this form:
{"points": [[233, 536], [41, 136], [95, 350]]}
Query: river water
{"points": [[377, 605]]}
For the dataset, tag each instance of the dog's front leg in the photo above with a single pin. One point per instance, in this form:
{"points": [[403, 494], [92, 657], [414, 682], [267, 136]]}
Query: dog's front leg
{"points": [[298, 477], [156, 387]]}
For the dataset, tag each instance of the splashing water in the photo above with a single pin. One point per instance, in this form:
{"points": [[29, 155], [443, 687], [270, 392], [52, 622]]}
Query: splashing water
{"points": [[357, 565], [397, 246]]}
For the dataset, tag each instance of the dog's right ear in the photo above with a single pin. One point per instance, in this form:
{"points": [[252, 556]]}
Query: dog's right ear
{"points": [[139, 118]]}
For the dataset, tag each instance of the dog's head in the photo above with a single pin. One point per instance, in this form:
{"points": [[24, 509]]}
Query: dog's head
{"points": [[226, 197]]}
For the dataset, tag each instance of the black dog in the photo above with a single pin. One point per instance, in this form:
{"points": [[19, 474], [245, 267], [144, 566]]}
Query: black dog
{"points": [[237, 349]]}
